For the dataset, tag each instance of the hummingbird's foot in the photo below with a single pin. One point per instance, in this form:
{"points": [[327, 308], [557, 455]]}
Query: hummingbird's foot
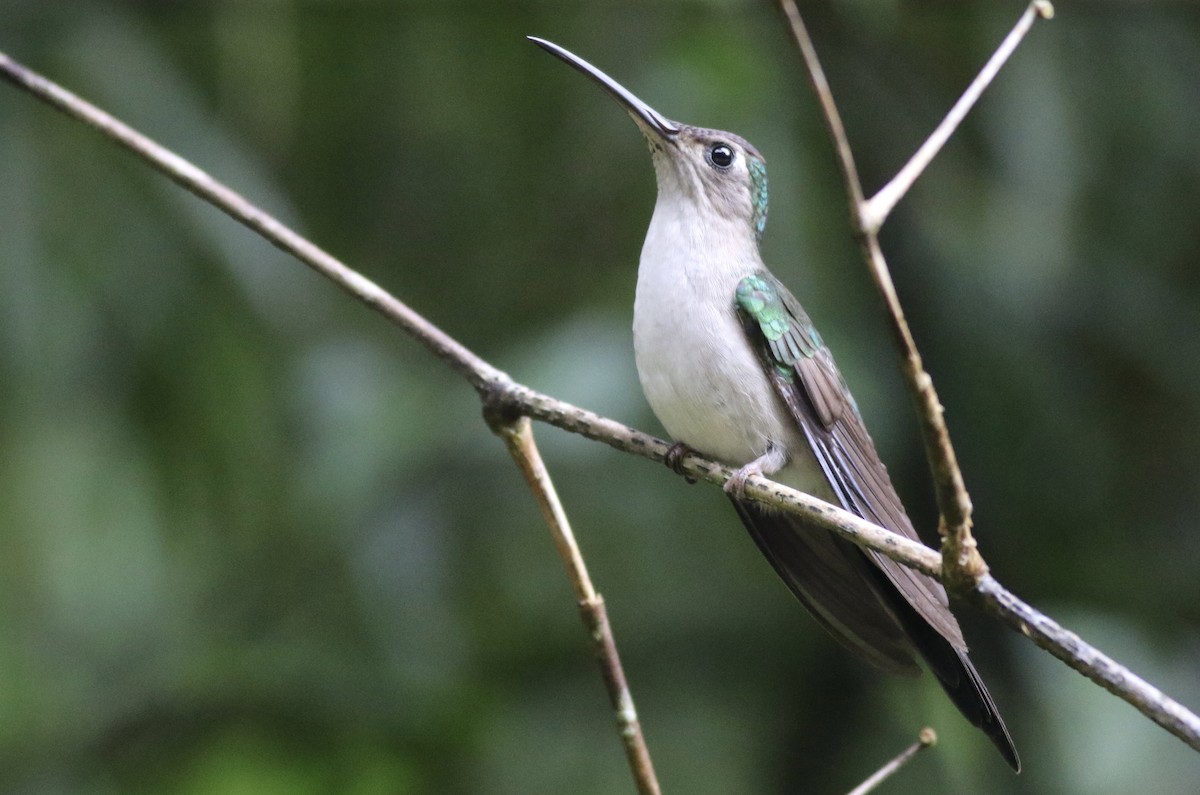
{"points": [[766, 464], [736, 485], [674, 460]]}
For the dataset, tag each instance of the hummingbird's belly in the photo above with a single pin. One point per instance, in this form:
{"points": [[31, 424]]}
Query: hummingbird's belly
{"points": [[708, 389], [700, 375]]}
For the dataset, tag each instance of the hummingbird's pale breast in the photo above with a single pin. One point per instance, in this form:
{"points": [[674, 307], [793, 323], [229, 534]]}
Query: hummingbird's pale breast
{"points": [[697, 369]]}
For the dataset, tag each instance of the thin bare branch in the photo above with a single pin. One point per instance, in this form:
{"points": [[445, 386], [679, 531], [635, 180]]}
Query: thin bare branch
{"points": [[829, 111], [926, 738], [876, 209], [478, 372], [1089, 661], [521, 399], [503, 395], [961, 560], [517, 433]]}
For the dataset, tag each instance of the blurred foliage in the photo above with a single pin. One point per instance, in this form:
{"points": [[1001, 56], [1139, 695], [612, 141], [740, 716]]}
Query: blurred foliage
{"points": [[255, 541]]}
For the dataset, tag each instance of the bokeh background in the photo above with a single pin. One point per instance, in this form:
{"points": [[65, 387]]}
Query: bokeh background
{"points": [[253, 540]]}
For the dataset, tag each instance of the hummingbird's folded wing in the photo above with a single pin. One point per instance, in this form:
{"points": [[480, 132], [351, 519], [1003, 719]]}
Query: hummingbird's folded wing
{"points": [[805, 376], [807, 379]]}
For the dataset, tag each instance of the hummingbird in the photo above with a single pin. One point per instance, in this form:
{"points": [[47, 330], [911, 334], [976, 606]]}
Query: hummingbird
{"points": [[734, 369]]}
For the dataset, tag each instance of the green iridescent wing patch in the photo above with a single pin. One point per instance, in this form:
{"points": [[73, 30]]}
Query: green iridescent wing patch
{"points": [[762, 307], [791, 348], [802, 371]]}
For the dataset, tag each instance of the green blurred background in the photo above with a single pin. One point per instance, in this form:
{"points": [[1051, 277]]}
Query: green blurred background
{"points": [[253, 540]]}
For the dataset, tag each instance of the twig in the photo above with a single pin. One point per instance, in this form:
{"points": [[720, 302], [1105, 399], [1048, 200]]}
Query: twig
{"points": [[1090, 661], [517, 433], [478, 372], [552, 411], [517, 399], [829, 111], [877, 208], [961, 561], [926, 738]]}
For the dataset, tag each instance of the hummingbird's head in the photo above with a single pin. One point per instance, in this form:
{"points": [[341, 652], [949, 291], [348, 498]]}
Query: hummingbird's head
{"points": [[719, 172]]}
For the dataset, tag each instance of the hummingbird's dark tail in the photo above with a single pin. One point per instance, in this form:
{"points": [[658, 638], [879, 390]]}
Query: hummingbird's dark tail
{"points": [[957, 675], [850, 595]]}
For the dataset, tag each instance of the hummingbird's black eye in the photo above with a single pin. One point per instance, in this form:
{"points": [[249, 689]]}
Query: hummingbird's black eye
{"points": [[720, 155]]}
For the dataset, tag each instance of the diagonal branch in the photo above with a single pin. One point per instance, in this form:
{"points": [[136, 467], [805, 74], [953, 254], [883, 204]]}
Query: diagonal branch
{"points": [[477, 372], [521, 399], [517, 434], [876, 209], [926, 738], [504, 395], [1089, 661]]}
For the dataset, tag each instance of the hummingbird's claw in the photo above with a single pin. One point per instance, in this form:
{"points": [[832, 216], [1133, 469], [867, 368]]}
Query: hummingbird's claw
{"points": [[674, 460], [767, 464], [736, 485]]}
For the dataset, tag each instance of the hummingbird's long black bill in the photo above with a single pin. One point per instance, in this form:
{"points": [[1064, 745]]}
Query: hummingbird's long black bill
{"points": [[642, 113]]}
